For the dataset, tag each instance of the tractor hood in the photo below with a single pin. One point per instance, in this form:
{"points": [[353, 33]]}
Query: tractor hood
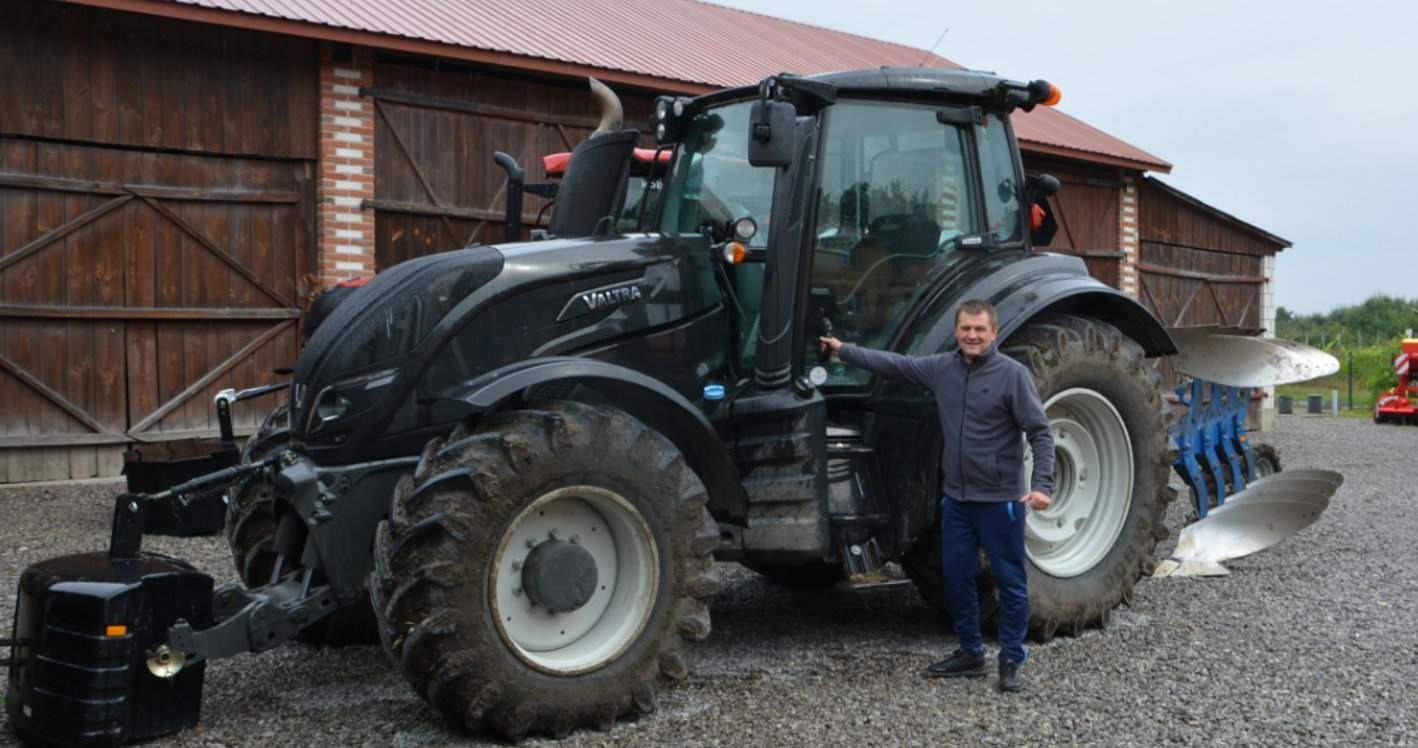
{"points": [[391, 348]]}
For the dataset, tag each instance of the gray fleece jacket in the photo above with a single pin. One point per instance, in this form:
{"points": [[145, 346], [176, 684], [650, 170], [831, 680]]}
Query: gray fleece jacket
{"points": [[983, 408]]}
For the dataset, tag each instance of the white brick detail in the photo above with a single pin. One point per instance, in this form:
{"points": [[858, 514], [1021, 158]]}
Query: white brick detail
{"points": [[346, 242], [1128, 238]]}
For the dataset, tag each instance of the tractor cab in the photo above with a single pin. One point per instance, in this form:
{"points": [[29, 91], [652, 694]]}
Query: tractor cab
{"points": [[893, 182], [857, 205]]}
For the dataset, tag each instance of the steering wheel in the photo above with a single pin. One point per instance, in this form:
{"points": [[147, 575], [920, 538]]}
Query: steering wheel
{"points": [[901, 232]]}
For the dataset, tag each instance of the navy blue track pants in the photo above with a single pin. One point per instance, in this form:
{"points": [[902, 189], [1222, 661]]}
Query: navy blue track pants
{"points": [[966, 526]]}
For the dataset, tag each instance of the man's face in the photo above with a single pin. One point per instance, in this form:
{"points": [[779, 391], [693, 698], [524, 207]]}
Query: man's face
{"points": [[975, 333]]}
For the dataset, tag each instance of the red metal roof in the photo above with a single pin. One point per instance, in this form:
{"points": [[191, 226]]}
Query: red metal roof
{"points": [[1047, 129], [650, 42]]}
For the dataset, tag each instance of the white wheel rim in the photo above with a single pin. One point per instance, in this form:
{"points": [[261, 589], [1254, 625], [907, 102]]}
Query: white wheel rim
{"points": [[1093, 470], [628, 577]]}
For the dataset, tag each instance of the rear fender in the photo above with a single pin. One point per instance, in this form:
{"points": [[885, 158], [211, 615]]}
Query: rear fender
{"points": [[647, 399], [1043, 283]]}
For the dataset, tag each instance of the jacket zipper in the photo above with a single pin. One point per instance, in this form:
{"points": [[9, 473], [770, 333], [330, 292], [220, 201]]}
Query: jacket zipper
{"points": [[960, 441]]}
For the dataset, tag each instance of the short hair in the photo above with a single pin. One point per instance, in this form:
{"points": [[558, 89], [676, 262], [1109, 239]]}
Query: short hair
{"points": [[977, 306]]}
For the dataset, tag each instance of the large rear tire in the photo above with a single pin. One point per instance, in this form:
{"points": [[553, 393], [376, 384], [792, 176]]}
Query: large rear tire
{"points": [[473, 632], [1112, 461], [251, 534]]}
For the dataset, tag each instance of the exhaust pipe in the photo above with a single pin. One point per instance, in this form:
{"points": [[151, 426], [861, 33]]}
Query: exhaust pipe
{"points": [[612, 114]]}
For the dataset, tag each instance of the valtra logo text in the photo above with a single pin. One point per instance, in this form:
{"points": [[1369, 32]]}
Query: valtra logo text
{"points": [[610, 297], [601, 299]]}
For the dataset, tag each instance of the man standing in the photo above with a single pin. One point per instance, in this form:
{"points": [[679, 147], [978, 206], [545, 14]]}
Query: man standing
{"points": [[985, 400]]}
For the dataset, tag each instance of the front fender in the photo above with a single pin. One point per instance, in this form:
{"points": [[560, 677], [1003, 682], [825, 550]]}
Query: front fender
{"points": [[651, 401]]}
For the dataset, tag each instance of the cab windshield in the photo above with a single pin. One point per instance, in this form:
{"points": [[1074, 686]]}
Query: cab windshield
{"points": [[712, 182]]}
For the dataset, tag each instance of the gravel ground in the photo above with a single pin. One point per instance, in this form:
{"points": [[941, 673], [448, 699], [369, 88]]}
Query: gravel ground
{"points": [[1310, 642]]}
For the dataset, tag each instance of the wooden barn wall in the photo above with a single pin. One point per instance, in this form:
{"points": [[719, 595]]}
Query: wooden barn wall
{"points": [[1163, 218], [1194, 267], [1086, 208], [156, 213], [435, 130]]}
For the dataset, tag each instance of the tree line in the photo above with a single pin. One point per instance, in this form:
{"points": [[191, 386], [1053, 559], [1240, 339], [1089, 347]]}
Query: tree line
{"points": [[1379, 321], [1364, 337]]}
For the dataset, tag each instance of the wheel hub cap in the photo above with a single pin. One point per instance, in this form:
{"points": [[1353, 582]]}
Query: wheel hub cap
{"points": [[559, 576], [1093, 475], [574, 580]]}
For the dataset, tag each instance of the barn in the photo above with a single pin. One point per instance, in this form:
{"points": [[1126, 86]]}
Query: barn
{"points": [[178, 178]]}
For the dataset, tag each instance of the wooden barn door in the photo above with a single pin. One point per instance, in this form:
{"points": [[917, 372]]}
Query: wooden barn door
{"points": [[1086, 208], [156, 213], [435, 130]]}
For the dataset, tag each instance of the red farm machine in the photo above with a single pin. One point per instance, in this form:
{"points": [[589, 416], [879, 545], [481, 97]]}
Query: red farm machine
{"points": [[1397, 405]]}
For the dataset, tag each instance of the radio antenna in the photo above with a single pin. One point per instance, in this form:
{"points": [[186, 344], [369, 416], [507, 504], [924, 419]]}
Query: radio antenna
{"points": [[931, 51]]}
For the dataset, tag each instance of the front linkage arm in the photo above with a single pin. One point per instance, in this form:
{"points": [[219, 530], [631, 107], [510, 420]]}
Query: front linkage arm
{"points": [[130, 510], [255, 620], [248, 620]]}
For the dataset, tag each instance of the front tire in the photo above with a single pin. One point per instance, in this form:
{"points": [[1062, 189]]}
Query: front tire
{"points": [[466, 617]]}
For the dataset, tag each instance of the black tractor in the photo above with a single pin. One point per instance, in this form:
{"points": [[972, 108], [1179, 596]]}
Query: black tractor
{"points": [[517, 464]]}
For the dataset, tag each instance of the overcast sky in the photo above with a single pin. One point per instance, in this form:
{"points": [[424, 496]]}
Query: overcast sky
{"points": [[1298, 117]]}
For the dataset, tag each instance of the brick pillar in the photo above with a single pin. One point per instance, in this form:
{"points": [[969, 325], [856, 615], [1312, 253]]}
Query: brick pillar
{"points": [[1127, 237], [346, 168], [1267, 320]]}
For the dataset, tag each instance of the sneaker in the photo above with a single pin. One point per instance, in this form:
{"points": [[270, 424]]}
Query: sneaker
{"points": [[1009, 680], [960, 664]]}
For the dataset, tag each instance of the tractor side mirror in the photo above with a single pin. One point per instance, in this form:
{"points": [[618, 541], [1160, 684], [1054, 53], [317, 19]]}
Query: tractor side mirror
{"points": [[770, 134]]}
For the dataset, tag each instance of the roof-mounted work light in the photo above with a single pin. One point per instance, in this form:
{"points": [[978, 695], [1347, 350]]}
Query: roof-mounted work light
{"points": [[667, 120]]}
